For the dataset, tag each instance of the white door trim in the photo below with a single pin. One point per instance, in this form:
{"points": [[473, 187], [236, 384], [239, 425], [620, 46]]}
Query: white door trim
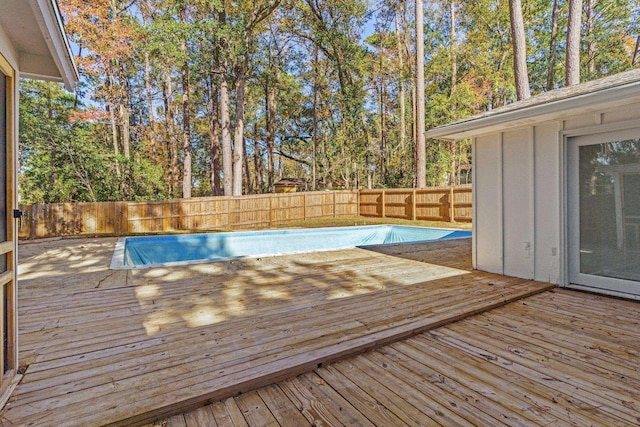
{"points": [[576, 279]]}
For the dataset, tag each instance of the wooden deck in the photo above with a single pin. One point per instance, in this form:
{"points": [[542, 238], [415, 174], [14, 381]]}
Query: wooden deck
{"points": [[103, 347], [561, 358]]}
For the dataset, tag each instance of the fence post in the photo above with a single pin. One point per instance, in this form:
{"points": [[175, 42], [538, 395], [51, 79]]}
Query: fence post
{"points": [[451, 206], [413, 205], [334, 203], [270, 210], [125, 218], [384, 208], [166, 215], [304, 205]]}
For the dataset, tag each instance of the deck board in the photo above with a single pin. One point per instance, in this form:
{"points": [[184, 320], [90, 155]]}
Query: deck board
{"points": [[524, 364], [121, 348]]}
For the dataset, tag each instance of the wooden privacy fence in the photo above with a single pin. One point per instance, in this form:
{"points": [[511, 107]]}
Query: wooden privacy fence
{"points": [[203, 213], [450, 204]]}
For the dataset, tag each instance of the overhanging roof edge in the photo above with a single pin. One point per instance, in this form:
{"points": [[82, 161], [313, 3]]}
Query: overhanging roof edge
{"points": [[50, 23], [473, 125]]}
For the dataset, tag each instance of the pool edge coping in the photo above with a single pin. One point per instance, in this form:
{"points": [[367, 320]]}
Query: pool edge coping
{"points": [[118, 262]]}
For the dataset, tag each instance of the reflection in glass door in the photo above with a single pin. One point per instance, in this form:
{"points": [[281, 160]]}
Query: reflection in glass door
{"points": [[604, 211]]}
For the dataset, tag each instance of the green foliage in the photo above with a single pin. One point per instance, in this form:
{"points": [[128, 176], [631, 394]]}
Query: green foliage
{"points": [[349, 61], [64, 157]]}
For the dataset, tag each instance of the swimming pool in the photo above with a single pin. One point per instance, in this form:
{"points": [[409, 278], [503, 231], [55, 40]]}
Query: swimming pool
{"points": [[154, 251]]}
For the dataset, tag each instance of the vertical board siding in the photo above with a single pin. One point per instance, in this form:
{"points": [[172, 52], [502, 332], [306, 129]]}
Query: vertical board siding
{"points": [[203, 213], [448, 204]]}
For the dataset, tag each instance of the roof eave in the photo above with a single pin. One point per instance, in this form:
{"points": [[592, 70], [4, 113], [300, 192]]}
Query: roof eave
{"points": [[618, 95], [50, 23]]}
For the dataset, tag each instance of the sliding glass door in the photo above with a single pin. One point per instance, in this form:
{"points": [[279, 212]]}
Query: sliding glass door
{"points": [[604, 212]]}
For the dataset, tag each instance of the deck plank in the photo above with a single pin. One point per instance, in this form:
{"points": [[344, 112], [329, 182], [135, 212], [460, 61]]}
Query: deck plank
{"points": [[281, 407], [255, 411], [373, 410], [139, 345], [496, 368], [200, 417]]}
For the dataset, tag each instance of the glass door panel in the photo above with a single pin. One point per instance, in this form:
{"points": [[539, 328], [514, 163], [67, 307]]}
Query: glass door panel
{"points": [[604, 211]]}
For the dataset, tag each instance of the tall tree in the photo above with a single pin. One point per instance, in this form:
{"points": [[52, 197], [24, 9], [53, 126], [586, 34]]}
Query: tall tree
{"points": [[551, 59], [421, 160], [186, 113], [519, 50], [401, 81], [452, 38], [590, 19], [572, 68]]}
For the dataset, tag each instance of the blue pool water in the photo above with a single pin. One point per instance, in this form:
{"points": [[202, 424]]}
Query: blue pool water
{"points": [[136, 252]]}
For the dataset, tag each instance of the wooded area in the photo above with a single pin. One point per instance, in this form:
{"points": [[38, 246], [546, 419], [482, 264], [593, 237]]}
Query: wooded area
{"points": [[194, 214], [182, 98]]}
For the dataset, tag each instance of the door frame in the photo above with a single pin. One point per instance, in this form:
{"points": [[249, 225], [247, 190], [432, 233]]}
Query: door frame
{"points": [[573, 140], [10, 378]]}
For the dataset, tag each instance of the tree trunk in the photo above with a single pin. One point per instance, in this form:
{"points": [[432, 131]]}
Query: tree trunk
{"points": [[453, 164], [238, 152], [454, 79], [114, 137], [452, 35], [125, 131], [381, 132], [591, 42], [225, 118], [173, 143], [272, 105], [214, 138], [421, 160], [314, 134], [519, 50], [328, 181], [186, 134], [552, 47], [572, 68], [636, 53], [248, 186], [401, 88], [147, 85], [166, 162], [186, 117], [257, 162]]}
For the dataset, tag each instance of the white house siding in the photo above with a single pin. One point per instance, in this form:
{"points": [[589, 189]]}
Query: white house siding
{"points": [[517, 203], [488, 204], [547, 203], [519, 193]]}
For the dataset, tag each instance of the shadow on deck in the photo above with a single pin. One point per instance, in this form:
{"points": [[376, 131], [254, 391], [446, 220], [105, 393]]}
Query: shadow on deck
{"points": [[105, 347]]}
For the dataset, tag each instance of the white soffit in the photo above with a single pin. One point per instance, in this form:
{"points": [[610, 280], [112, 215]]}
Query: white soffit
{"points": [[35, 29]]}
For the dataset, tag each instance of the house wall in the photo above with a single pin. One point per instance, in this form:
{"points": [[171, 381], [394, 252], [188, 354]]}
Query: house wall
{"points": [[487, 218], [519, 206]]}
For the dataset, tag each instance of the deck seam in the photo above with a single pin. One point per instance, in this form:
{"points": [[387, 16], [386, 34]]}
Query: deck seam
{"points": [[309, 365]]}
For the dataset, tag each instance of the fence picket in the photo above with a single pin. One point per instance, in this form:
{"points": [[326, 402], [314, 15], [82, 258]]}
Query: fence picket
{"points": [[448, 204]]}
